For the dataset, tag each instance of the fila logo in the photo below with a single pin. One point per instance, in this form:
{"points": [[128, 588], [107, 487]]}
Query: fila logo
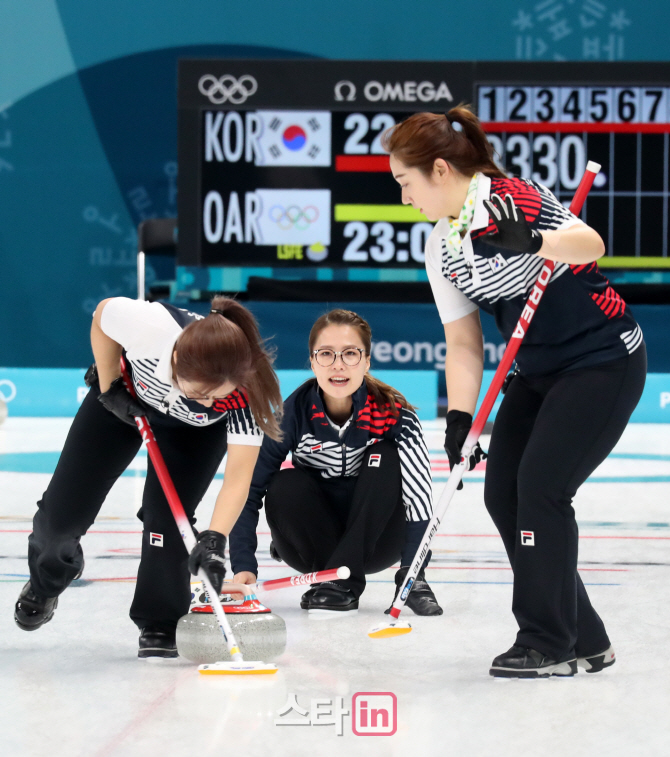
{"points": [[315, 448], [142, 387], [528, 538], [155, 540], [497, 262], [374, 461]]}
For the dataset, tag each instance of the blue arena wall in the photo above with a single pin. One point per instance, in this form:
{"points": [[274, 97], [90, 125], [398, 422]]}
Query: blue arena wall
{"points": [[88, 118], [58, 392]]}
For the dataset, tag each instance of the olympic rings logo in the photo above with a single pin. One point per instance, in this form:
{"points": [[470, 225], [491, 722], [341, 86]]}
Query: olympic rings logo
{"points": [[293, 217], [227, 88]]}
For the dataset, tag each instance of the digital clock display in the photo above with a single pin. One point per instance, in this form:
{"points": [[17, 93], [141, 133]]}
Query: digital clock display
{"points": [[281, 162]]}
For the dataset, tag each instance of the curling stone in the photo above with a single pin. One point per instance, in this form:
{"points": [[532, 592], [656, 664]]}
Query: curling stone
{"points": [[260, 633]]}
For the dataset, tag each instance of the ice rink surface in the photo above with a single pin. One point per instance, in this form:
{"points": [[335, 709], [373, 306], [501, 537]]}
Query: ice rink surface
{"points": [[75, 688]]}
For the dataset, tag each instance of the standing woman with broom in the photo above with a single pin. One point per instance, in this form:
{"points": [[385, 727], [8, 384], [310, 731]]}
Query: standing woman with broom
{"points": [[581, 369], [208, 387]]}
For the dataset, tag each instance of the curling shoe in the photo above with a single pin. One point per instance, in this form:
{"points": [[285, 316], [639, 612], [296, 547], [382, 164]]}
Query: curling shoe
{"points": [[155, 642], [333, 598], [421, 600], [524, 662], [304, 600], [596, 662], [32, 611]]}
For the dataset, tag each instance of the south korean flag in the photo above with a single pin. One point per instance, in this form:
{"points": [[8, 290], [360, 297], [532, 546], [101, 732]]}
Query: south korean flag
{"points": [[293, 138]]}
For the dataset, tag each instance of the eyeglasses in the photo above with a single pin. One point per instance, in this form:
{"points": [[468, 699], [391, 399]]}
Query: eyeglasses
{"points": [[351, 356], [199, 397]]}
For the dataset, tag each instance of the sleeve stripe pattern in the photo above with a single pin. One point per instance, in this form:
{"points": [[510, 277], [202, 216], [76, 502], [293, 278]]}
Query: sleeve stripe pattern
{"points": [[610, 303], [517, 279], [153, 392], [417, 485], [632, 339]]}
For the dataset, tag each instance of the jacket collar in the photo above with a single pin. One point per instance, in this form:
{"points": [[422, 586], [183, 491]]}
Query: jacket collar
{"points": [[480, 219], [317, 410]]}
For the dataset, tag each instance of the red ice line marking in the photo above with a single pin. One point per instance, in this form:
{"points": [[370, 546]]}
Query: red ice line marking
{"points": [[29, 531], [113, 745]]}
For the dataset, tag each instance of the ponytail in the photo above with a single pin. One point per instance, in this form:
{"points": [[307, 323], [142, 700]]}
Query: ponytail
{"points": [[457, 137], [384, 395], [226, 346]]}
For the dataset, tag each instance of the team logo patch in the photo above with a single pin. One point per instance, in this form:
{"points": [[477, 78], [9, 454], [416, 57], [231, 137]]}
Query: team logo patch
{"points": [[528, 538], [155, 540], [374, 461], [198, 417], [497, 262]]}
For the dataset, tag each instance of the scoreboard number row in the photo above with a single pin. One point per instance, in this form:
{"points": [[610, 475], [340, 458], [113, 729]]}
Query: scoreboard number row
{"points": [[644, 105], [358, 141], [386, 241], [561, 160]]}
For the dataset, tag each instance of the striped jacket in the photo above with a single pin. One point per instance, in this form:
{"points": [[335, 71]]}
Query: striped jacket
{"points": [[315, 445], [582, 321], [147, 331]]}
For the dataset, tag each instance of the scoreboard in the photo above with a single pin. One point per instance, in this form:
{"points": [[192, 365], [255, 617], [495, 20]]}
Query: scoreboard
{"points": [[281, 164]]}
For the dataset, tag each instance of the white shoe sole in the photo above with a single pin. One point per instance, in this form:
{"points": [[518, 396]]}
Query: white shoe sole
{"points": [[597, 662], [567, 668], [317, 613]]}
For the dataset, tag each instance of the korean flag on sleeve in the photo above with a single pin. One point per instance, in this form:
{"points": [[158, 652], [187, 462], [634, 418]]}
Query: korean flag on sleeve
{"points": [[292, 138]]}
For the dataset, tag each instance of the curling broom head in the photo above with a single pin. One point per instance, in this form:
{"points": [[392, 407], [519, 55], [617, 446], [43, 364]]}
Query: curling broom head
{"points": [[237, 669], [386, 630]]}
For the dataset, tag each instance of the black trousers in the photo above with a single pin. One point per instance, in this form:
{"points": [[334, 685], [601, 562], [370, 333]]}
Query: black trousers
{"points": [[550, 434], [357, 521], [98, 448]]}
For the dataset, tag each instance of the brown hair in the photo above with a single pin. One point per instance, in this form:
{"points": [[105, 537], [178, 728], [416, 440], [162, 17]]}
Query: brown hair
{"points": [[384, 395], [422, 138], [226, 346]]}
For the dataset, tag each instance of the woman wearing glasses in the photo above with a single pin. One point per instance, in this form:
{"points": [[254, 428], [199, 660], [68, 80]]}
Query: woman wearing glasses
{"points": [[359, 493], [207, 386]]}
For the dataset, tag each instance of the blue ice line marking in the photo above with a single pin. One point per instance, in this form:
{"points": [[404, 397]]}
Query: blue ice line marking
{"points": [[612, 455]]}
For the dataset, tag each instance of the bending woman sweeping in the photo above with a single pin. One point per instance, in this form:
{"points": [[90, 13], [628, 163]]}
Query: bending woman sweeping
{"points": [[359, 493], [207, 386]]}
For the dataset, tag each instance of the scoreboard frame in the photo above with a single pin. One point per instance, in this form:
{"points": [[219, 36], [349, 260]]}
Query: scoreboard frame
{"points": [[631, 140]]}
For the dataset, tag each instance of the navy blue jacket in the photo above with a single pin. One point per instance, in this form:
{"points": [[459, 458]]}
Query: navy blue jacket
{"points": [[315, 445]]}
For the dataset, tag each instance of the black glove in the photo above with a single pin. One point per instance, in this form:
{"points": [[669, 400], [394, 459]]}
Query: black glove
{"points": [[119, 401], [458, 426], [514, 232], [208, 555], [91, 375]]}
